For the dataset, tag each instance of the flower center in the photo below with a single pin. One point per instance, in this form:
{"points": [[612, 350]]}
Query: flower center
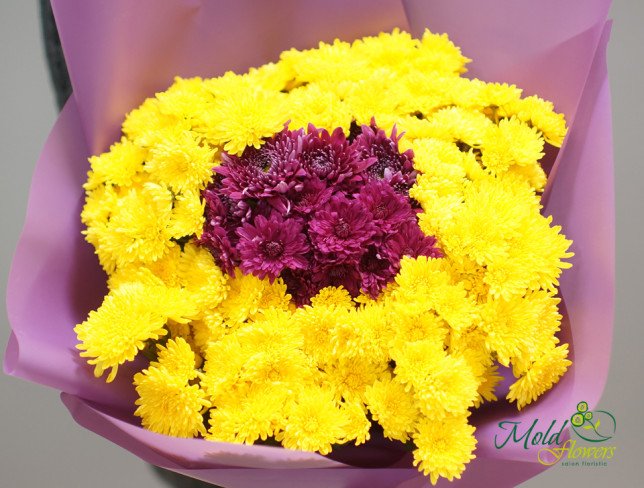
{"points": [[307, 198], [320, 162], [342, 229], [273, 249], [371, 264], [386, 160], [380, 212]]}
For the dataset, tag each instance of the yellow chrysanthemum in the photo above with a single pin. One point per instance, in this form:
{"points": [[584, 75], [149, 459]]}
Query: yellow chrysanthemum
{"points": [[361, 333], [393, 408], [387, 49], [333, 296], [316, 324], [437, 157], [312, 104], [138, 228], [377, 97], [167, 404], [540, 376], [187, 216], [274, 296], [415, 359], [438, 53], [119, 166], [177, 358], [411, 327], [540, 113], [201, 277], [511, 142], [534, 261], [242, 301], [358, 425], [495, 95], [315, 421], [424, 284], [470, 344], [210, 328], [443, 384], [129, 316], [444, 447], [349, 379], [324, 63], [272, 352], [520, 327], [180, 160], [458, 124], [249, 413], [98, 208], [186, 99], [491, 378], [222, 369], [143, 124], [243, 118]]}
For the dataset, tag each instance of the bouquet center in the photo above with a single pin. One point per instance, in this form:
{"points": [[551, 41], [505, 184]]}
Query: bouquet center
{"points": [[315, 209]]}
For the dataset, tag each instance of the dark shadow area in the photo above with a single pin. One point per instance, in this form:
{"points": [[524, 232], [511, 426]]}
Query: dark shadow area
{"points": [[55, 60], [170, 478]]}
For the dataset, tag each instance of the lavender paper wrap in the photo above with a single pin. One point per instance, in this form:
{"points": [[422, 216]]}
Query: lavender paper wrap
{"points": [[120, 52]]}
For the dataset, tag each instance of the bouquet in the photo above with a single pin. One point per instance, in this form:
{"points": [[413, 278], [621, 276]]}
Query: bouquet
{"points": [[346, 238]]}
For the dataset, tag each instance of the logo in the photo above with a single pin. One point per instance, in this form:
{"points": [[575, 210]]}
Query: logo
{"points": [[595, 427]]}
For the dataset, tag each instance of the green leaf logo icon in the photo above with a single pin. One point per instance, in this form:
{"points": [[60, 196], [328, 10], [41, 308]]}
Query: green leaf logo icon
{"points": [[588, 425]]}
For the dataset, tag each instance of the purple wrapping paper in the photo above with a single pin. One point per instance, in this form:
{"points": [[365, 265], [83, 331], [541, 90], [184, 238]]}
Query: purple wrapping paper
{"points": [[120, 52]]}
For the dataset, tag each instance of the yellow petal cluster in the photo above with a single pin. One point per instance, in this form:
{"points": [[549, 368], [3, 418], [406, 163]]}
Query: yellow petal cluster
{"points": [[235, 351], [168, 403]]}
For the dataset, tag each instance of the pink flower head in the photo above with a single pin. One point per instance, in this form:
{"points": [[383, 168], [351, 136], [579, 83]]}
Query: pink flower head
{"points": [[331, 158], [271, 170], [223, 210], [376, 270], [390, 164], [341, 229], [313, 195], [300, 285], [305, 199], [344, 274], [388, 208], [218, 242], [410, 241], [269, 246]]}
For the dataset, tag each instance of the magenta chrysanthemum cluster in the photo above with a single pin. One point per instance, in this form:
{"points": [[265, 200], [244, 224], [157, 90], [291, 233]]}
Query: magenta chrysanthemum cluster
{"points": [[316, 209]]}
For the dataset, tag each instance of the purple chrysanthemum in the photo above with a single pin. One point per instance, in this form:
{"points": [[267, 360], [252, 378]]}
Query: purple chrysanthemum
{"points": [[341, 229], [376, 270], [271, 170], [316, 210], [331, 158], [223, 210], [312, 196], [218, 242], [269, 246], [338, 274], [303, 200], [388, 208], [390, 164], [300, 285], [410, 241]]}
